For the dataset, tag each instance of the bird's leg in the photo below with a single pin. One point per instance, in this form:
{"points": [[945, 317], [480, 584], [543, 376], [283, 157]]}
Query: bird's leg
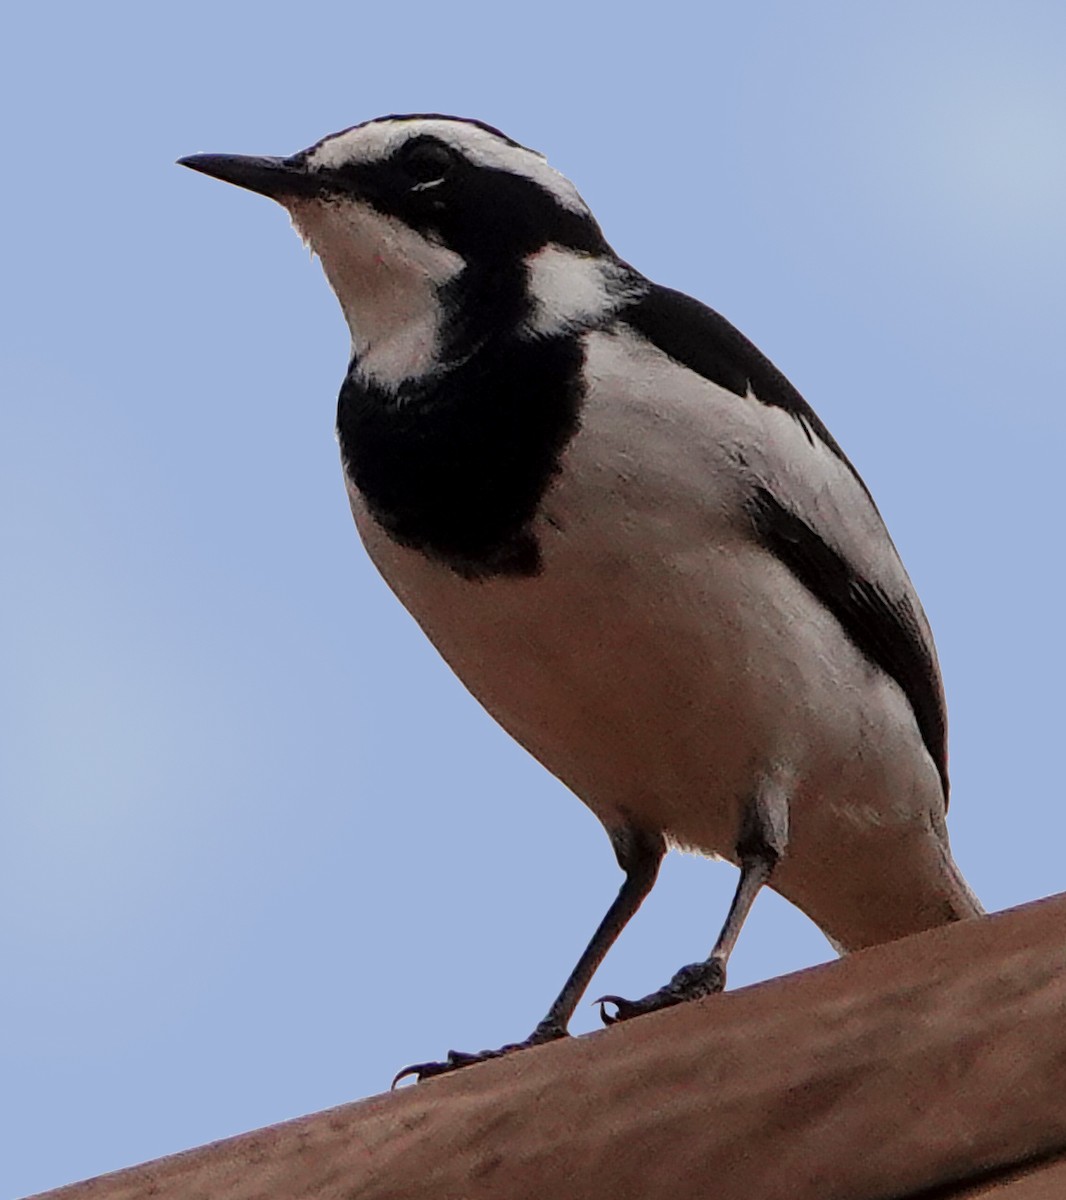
{"points": [[639, 855], [762, 841]]}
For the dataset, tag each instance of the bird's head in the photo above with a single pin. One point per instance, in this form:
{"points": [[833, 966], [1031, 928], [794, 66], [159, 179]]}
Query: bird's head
{"points": [[413, 214]]}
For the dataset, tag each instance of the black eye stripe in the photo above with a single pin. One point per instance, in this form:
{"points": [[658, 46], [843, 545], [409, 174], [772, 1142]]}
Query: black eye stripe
{"points": [[425, 159]]}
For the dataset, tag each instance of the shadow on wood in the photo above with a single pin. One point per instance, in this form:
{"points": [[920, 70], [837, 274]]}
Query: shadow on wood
{"points": [[931, 1068]]}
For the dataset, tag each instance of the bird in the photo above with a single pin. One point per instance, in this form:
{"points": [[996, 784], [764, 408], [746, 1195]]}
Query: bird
{"points": [[631, 538]]}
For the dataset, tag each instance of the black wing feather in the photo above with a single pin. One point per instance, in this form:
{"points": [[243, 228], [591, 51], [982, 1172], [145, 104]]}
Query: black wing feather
{"points": [[702, 340], [885, 629]]}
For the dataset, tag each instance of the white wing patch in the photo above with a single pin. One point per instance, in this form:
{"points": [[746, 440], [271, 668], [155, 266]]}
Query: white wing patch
{"points": [[378, 139]]}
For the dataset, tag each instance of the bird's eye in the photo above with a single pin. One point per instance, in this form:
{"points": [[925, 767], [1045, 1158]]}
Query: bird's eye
{"points": [[426, 160]]}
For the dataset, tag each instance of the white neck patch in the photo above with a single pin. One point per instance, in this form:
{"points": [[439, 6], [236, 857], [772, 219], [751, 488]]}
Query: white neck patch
{"points": [[571, 289], [378, 139], [386, 278]]}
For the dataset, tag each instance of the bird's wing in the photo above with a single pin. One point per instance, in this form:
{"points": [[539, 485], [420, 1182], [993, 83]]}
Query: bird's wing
{"points": [[807, 504]]}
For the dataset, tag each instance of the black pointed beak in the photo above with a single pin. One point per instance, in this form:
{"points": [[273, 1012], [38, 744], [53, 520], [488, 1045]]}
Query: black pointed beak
{"points": [[278, 178]]}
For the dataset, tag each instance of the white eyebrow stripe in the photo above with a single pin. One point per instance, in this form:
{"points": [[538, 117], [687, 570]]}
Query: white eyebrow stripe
{"points": [[378, 139]]}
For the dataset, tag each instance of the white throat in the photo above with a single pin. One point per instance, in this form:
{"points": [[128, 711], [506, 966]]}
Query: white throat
{"points": [[386, 277]]}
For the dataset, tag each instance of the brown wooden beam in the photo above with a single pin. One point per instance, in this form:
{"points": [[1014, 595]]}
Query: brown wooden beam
{"points": [[927, 1067]]}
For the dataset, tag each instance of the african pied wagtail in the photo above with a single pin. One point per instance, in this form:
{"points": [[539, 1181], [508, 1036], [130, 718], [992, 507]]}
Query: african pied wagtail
{"points": [[629, 536]]}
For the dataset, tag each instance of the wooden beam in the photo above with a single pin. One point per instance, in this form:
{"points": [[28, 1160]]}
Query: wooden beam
{"points": [[929, 1067]]}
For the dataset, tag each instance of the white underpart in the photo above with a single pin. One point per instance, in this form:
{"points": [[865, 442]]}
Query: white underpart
{"points": [[571, 290], [377, 140], [664, 665], [386, 278]]}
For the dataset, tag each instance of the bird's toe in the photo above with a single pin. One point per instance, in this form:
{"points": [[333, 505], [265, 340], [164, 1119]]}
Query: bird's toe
{"points": [[546, 1031], [690, 983]]}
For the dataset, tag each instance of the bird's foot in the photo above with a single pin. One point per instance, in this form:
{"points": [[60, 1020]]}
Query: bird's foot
{"points": [[546, 1031], [690, 983]]}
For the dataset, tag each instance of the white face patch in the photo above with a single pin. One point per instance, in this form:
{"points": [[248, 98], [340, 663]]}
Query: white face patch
{"points": [[386, 277], [571, 289], [378, 139]]}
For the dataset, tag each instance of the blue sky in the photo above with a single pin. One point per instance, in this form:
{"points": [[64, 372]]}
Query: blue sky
{"points": [[258, 849]]}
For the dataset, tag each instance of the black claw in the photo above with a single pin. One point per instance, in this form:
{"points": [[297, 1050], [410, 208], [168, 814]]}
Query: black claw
{"points": [[454, 1060], [605, 1016], [422, 1070]]}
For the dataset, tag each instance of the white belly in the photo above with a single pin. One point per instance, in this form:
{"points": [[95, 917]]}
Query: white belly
{"points": [[662, 665]]}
